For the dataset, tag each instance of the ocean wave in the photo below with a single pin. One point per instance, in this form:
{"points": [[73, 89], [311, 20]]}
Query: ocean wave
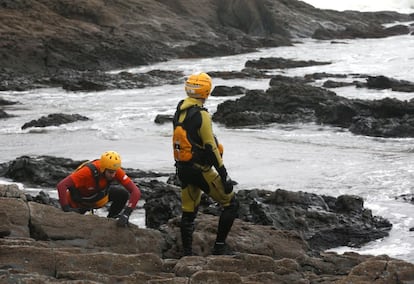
{"points": [[401, 6]]}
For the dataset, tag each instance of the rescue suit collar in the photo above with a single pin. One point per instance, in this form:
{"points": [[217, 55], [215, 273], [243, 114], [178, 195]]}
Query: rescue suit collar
{"points": [[189, 102]]}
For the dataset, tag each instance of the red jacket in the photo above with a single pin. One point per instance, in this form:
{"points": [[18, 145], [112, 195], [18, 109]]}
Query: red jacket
{"points": [[84, 181]]}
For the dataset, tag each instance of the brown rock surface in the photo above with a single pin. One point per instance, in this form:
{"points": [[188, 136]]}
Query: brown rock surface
{"points": [[50, 35], [46, 245]]}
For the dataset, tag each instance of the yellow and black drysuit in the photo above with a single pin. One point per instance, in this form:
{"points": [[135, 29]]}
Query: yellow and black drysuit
{"points": [[198, 175]]}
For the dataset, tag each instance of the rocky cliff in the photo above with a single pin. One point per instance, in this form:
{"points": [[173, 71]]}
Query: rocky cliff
{"points": [[46, 36]]}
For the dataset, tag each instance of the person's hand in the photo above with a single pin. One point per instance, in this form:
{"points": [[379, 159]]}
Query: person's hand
{"points": [[228, 183], [123, 218], [67, 208]]}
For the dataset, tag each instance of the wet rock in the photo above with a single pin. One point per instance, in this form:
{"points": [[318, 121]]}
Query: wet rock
{"points": [[324, 221], [360, 31], [4, 102], [163, 118], [406, 197], [244, 73], [98, 81], [281, 63], [54, 119], [383, 82], [321, 75], [224, 91], [293, 101], [335, 84], [4, 114]]}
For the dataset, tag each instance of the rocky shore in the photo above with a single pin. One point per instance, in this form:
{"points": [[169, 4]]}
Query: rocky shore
{"points": [[280, 237], [43, 41]]}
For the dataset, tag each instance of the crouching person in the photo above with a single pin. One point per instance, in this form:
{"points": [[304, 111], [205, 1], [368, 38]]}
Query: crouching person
{"points": [[88, 188]]}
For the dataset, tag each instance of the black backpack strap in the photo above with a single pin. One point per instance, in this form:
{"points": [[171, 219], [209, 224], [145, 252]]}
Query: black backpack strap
{"points": [[177, 113], [75, 194], [95, 173], [190, 112]]}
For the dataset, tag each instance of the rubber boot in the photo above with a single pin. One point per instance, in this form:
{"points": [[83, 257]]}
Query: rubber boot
{"points": [[224, 226], [187, 229]]}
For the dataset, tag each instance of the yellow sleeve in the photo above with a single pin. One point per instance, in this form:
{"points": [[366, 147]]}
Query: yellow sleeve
{"points": [[209, 141]]}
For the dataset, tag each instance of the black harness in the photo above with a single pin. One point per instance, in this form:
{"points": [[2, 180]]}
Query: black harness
{"points": [[75, 193]]}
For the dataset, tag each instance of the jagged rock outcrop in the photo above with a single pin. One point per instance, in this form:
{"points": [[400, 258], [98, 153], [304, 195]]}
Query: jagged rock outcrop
{"points": [[42, 244], [49, 35], [290, 100]]}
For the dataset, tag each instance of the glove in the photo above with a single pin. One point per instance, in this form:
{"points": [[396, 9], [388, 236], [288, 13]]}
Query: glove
{"points": [[123, 218], [228, 185], [226, 180], [67, 208]]}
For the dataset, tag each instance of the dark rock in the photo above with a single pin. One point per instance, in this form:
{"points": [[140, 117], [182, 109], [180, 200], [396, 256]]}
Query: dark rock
{"points": [[360, 31], [54, 119], [162, 204], [383, 82], [292, 101], [335, 84], [321, 75], [406, 198], [281, 63], [348, 203], [224, 91], [244, 73], [207, 49], [43, 198], [163, 118], [4, 102], [97, 81], [277, 79], [4, 114]]}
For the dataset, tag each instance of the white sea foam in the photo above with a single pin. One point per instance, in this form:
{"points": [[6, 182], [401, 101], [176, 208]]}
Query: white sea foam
{"points": [[401, 6]]}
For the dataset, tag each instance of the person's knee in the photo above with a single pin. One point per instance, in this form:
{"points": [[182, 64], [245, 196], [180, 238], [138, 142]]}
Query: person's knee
{"points": [[119, 195], [188, 217]]}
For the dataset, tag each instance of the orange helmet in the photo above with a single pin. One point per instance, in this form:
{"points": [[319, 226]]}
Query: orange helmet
{"points": [[110, 160], [198, 86]]}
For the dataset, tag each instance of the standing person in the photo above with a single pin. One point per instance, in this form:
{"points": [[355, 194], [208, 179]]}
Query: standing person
{"points": [[196, 152], [89, 188]]}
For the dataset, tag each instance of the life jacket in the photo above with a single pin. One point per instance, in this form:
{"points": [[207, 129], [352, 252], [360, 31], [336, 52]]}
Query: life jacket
{"points": [[186, 146], [97, 200]]}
